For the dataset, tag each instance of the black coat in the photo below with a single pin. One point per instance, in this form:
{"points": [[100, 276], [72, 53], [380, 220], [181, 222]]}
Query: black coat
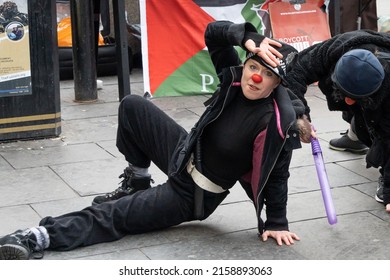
{"points": [[372, 119], [267, 183]]}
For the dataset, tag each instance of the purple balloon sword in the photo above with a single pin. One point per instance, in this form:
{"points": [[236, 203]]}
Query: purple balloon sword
{"points": [[323, 179]]}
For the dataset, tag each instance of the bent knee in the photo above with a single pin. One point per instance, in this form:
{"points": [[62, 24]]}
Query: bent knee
{"points": [[132, 101]]}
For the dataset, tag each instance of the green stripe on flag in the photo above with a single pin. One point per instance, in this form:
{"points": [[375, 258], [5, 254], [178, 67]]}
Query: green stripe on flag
{"points": [[195, 76]]}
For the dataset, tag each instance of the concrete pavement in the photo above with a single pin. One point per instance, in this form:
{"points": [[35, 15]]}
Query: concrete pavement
{"points": [[59, 175]]}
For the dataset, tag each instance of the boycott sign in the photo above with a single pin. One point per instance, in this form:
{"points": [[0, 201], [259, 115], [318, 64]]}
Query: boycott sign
{"points": [[299, 25]]}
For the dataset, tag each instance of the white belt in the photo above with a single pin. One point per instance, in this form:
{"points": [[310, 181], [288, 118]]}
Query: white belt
{"points": [[201, 180]]}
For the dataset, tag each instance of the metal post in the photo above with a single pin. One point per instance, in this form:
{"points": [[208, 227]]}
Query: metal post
{"points": [[105, 17], [84, 51], [121, 48], [96, 26]]}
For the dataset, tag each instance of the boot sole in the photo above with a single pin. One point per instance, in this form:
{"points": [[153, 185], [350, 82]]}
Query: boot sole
{"points": [[359, 152], [13, 252], [378, 199]]}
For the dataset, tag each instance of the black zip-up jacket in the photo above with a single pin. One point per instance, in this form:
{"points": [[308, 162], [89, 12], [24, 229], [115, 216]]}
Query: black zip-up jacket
{"points": [[267, 183], [372, 119]]}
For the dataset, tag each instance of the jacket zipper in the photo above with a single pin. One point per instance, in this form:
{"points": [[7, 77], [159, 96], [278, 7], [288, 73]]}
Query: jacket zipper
{"points": [[258, 196]]}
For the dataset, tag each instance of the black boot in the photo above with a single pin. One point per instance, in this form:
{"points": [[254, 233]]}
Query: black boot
{"points": [[129, 185], [379, 190], [20, 245]]}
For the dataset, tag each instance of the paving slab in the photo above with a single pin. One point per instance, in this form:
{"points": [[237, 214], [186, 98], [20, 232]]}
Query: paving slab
{"points": [[60, 207], [92, 177], [31, 144], [227, 218], [4, 165], [367, 188], [359, 167], [100, 251], [17, 217], [54, 155], [357, 236], [169, 103], [89, 130], [26, 186], [89, 111], [346, 200], [132, 254], [304, 155], [110, 147], [305, 178], [242, 245]]}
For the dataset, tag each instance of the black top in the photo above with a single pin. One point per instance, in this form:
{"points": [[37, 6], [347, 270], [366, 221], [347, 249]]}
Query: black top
{"points": [[233, 133]]}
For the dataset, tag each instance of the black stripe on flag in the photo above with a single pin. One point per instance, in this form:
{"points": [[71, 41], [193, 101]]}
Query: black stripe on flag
{"points": [[218, 3]]}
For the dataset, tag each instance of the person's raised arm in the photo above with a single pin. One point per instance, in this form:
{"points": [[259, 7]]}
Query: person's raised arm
{"points": [[222, 36]]}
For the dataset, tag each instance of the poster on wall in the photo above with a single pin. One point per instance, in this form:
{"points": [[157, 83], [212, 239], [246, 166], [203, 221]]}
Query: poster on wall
{"points": [[15, 69]]}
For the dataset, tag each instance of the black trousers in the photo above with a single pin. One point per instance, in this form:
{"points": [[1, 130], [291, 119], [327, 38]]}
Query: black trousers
{"points": [[145, 134]]}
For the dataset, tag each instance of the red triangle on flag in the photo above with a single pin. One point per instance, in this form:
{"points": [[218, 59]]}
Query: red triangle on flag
{"points": [[175, 34]]}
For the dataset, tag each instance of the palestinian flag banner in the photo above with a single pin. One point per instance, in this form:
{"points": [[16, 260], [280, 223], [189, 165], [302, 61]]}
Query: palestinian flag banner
{"points": [[175, 58]]}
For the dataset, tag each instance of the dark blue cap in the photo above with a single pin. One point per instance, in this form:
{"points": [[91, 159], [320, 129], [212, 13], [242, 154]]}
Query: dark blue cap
{"points": [[358, 73]]}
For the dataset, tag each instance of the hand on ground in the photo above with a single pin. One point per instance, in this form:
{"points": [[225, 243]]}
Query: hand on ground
{"points": [[281, 236]]}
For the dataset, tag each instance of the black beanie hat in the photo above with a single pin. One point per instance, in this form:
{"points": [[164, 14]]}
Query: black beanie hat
{"points": [[289, 54], [358, 73]]}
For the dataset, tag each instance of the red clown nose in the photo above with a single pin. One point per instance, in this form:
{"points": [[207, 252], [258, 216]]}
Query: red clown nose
{"points": [[257, 78]]}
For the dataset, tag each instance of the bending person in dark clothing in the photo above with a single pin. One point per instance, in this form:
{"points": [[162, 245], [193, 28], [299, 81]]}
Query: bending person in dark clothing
{"points": [[353, 70]]}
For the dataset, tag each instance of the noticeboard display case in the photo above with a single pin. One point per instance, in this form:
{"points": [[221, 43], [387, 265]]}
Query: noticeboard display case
{"points": [[29, 70]]}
